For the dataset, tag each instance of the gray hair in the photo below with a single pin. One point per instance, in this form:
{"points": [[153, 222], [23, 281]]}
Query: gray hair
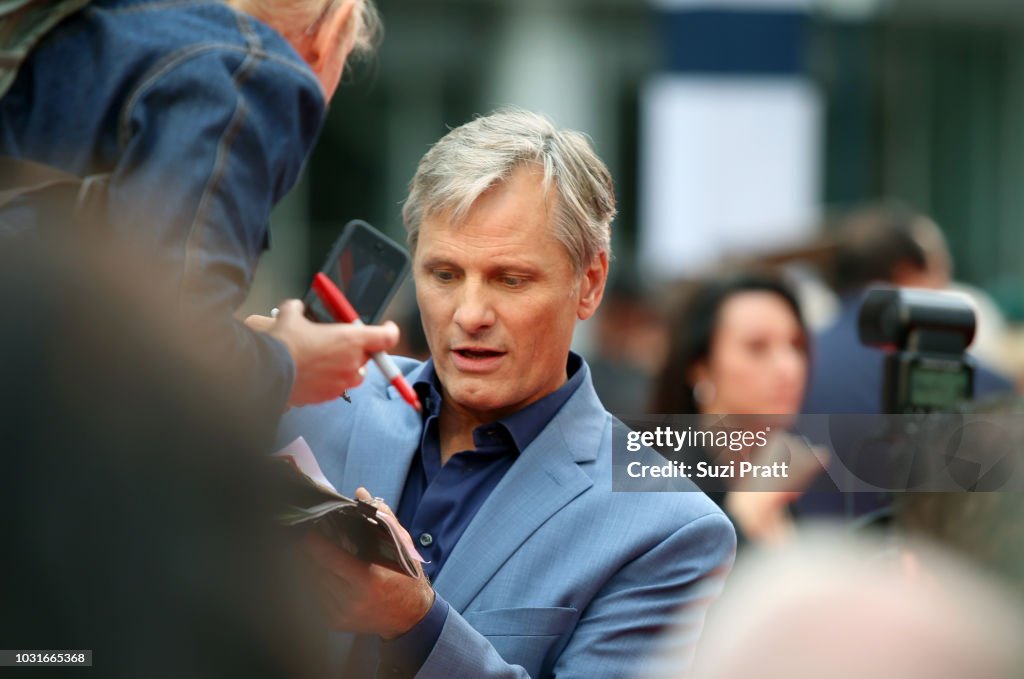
{"points": [[474, 157], [369, 29], [296, 17]]}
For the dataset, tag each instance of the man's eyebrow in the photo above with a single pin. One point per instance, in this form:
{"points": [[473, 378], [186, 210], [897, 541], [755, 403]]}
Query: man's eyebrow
{"points": [[498, 264], [436, 260], [514, 265]]}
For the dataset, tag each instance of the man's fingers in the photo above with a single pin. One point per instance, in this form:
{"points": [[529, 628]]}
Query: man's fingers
{"points": [[327, 356], [379, 503], [336, 597], [259, 323], [336, 559], [375, 337], [289, 308]]}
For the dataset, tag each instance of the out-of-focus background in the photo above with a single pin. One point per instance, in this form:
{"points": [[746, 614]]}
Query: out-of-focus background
{"points": [[732, 128]]}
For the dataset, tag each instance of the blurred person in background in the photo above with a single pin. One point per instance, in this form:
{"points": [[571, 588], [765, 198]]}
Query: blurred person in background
{"points": [[988, 345], [854, 609], [631, 338], [137, 520], [190, 121], [878, 245], [985, 526], [888, 245], [739, 347]]}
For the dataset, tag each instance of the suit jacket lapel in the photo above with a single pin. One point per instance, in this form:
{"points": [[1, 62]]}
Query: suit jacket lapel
{"points": [[383, 444], [545, 478]]}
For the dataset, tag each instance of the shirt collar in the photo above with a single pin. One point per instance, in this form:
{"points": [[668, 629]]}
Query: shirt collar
{"points": [[524, 425]]}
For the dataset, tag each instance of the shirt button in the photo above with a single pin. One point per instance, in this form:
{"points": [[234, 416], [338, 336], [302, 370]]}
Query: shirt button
{"points": [[426, 539]]}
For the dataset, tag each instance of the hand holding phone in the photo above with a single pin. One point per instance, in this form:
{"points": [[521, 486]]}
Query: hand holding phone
{"points": [[367, 268], [327, 357], [342, 311]]}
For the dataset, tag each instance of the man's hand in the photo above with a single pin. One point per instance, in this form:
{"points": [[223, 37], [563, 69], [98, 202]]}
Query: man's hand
{"points": [[327, 356], [362, 597]]}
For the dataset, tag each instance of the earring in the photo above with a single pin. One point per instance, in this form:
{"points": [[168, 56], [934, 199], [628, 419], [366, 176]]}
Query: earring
{"points": [[704, 392]]}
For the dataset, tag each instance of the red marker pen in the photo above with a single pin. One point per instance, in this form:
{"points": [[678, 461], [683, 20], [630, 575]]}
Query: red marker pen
{"points": [[340, 308]]}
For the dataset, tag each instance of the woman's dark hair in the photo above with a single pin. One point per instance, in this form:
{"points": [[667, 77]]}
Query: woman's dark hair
{"points": [[692, 329]]}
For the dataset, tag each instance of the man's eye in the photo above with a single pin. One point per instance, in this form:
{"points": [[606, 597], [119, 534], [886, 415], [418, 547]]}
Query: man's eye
{"points": [[444, 276], [512, 281]]}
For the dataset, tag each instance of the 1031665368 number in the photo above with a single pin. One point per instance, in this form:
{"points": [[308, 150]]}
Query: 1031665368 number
{"points": [[50, 658]]}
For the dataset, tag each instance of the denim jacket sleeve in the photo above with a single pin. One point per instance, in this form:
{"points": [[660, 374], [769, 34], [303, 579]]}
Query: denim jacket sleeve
{"points": [[210, 140]]}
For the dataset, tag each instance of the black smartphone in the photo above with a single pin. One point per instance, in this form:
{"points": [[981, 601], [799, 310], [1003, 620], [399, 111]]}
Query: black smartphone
{"points": [[367, 266]]}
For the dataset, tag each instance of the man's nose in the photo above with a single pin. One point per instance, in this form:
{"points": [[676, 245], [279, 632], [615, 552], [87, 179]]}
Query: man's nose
{"points": [[474, 311]]}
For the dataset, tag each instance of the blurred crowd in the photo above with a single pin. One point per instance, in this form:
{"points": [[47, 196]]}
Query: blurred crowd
{"points": [[661, 341], [778, 336]]}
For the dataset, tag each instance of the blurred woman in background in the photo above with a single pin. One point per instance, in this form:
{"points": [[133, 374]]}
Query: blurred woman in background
{"points": [[740, 347]]}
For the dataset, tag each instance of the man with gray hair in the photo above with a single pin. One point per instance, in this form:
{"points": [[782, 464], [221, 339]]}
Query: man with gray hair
{"points": [[534, 568]]}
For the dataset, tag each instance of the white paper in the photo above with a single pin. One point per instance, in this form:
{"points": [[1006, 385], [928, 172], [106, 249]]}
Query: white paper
{"points": [[302, 456]]}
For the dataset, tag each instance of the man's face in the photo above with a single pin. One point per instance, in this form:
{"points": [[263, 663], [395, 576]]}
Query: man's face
{"points": [[499, 298]]}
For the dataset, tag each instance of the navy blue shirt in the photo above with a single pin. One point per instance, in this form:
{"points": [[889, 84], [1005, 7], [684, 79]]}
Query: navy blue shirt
{"points": [[439, 501]]}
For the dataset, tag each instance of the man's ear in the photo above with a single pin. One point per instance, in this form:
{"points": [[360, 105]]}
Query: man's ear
{"points": [[333, 31], [592, 286]]}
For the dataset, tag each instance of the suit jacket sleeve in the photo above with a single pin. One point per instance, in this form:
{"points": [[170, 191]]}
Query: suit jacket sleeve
{"points": [[669, 586]]}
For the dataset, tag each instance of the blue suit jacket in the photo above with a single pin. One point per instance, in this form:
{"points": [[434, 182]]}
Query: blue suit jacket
{"points": [[555, 575]]}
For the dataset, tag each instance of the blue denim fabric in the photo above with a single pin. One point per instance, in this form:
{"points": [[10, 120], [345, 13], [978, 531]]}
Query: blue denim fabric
{"points": [[203, 118]]}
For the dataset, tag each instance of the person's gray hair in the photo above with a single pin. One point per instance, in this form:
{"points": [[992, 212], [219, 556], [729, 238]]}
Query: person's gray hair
{"points": [[472, 158], [293, 18], [369, 29]]}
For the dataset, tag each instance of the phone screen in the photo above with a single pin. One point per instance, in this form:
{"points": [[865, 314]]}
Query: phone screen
{"points": [[368, 267]]}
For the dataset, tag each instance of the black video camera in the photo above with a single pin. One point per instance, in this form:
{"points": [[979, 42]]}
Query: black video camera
{"points": [[927, 334]]}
